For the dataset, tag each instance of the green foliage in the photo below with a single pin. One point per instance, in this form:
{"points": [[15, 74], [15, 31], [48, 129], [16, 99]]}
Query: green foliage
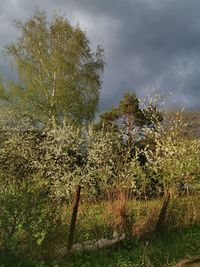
{"points": [[27, 215], [173, 157], [48, 148], [18, 154], [59, 75], [127, 114], [104, 155]]}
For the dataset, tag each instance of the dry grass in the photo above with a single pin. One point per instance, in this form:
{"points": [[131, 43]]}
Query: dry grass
{"points": [[183, 211], [117, 213], [145, 227], [132, 217]]}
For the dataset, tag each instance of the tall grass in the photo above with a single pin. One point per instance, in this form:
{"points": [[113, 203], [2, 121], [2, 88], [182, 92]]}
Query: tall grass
{"points": [[135, 218]]}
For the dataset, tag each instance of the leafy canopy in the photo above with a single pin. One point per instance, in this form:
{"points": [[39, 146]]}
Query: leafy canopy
{"points": [[59, 75]]}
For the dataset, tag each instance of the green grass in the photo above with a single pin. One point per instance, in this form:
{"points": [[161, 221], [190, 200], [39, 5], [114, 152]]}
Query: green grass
{"points": [[158, 251], [166, 249], [180, 241]]}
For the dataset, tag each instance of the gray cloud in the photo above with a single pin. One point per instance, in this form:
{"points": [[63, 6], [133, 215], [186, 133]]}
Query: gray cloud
{"points": [[148, 43]]}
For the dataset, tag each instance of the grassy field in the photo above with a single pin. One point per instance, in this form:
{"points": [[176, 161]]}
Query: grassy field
{"points": [[160, 251], [142, 246]]}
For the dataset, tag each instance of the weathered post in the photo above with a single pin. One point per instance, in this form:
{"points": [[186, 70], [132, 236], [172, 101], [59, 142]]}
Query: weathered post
{"points": [[73, 219], [162, 215]]}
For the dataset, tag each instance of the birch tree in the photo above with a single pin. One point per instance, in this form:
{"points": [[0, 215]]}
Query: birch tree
{"points": [[58, 73]]}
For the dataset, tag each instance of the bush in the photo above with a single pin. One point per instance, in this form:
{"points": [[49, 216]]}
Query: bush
{"points": [[27, 218]]}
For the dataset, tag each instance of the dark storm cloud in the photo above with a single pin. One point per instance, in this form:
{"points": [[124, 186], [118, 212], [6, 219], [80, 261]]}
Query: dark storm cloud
{"points": [[148, 43]]}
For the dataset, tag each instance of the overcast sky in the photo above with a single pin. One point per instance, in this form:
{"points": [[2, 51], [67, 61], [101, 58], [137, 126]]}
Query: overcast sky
{"points": [[148, 43]]}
